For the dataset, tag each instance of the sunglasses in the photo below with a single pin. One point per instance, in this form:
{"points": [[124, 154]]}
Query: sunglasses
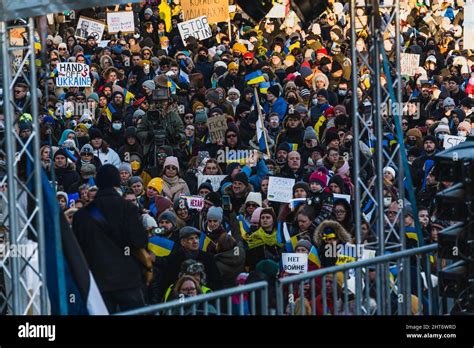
{"points": [[231, 135], [171, 168], [188, 117], [248, 59], [62, 49], [190, 129], [86, 154]]}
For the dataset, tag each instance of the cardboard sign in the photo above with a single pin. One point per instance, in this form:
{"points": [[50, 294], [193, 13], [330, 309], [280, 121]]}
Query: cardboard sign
{"points": [[215, 180], [294, 263], [217, 127], [215, 10], [120, 21], [195, 202], [88, 26], [409, 63], [452, 140], [73, 75], [198, 28], [280, 189]]}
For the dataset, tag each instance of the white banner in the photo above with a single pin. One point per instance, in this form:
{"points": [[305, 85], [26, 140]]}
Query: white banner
{"points": [[195, 202], [409, 63], [120, 21], [294, 263], [280, 189], [452, 140], [197, 27], [215, 180], [73, 75]]}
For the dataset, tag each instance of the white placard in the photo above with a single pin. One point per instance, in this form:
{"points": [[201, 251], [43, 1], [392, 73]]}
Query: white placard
{"points": [[87, 26], [452, 140], [120, 21], [73, 75], [294, 263], [409, 63], [468, 25], [197, 27], [341, 196], [280, 189], [215, 180], [103, 43], [195, 202], [277, 11]]}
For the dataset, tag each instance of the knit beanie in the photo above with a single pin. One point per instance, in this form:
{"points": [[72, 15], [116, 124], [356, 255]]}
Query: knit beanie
{"points": [[215, 213]]}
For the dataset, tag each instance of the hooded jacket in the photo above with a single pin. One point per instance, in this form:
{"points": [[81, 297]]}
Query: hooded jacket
{"points": [[342, 236], [230, 264]]}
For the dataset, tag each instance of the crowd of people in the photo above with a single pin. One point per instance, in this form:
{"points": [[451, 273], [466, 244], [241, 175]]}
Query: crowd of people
{"points": [[131, 147]]}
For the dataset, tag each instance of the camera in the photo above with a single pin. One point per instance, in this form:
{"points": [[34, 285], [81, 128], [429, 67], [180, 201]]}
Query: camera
{"points": [[158, 231], [161, 94], [159, 136]]}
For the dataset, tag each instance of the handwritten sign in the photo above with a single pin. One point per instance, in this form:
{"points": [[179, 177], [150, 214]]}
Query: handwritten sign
{"points": [[294, 263], [280, 189], [198, 28], [217, 127], [195, 202], [215, 180], [120, 21], [215, 10], [409, 63], [90, 27], [452, 140], [73, 75]]}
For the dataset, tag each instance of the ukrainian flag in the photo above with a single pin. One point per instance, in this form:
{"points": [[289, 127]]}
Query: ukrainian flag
{"points": [[411, 234], [244, 227], [347, 255], [204, 242], [160, 246], [264, 87], [172, 86], [254, 78], [313, 256], [293, 147], [128, 96], [109, 110]]}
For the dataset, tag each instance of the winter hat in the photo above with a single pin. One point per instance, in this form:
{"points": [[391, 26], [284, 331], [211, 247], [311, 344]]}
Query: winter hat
{"points": [[340, 108], [95, 133], [61, 152], [206, 185], [414, 132], [322, 92], [108, 176], [309, 133], [255, 219], [300, 108], [134, 180], [442, 127], [242, 177], [138, 113], [390, 170], [180, 203], [233, 66], [188, 231], [168, 215], [429, 138], [448, 102], [268, 268], [302, 185], [233, 90], [465, 125], [254, 197], [305, 93], [196, 105], [162, 204], [87, 148], [171, 161], [150, 84], [319, 177], [330, 136], [88, 170], [275, 90], [215, 213], [125, 167], [304, 243], [81, 126], [148, 11], [213, 96], [62, 194], [94, 97], [201, 117], [156, 183], [148, 221], [214, 198], [283, 146]]}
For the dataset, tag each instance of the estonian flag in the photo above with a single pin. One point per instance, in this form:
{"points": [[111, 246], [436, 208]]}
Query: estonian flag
{"points": [[71, 287], [160, 246], [254, 78]]}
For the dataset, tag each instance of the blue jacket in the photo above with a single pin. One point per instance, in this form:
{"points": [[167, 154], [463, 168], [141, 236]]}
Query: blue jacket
{"points": [[280, 106], [255, 180]]}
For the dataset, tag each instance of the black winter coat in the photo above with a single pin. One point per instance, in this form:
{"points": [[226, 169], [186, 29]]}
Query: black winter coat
{"points": [[105, 249], [66, 177]]}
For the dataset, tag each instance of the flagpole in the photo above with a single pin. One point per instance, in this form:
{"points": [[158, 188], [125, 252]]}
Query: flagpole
{"points": [[261, 121]]}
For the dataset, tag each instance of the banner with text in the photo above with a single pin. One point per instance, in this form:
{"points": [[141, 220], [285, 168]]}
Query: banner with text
{"points": [[120, 21], [280, 189], [197, 27], [215, 10], [73, 75]]}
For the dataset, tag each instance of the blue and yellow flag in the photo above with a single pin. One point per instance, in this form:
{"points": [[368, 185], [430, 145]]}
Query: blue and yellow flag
{"points": [[293, 146], [264, 87], [128, 96], [290, 244], [347, 254], [244, 227], [109, 110], [254, 78], [204, 242], [160, 246], [313, 256], [410, 233]]}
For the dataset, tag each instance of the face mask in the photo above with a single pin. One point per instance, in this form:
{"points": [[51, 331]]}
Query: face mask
{"points": [[117, 126], [88, 125], [387, 201], [440, 136], [462, 133], [412, 141], [342, 92], [315, 101], [292, 100]]}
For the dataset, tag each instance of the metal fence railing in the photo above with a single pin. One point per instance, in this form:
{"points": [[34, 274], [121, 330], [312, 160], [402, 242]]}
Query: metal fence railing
{"points": [[401, 283], [250, 299]]}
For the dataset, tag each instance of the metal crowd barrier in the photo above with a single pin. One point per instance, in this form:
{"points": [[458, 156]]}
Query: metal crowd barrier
{"points": [[250, 299], [400, 283]]}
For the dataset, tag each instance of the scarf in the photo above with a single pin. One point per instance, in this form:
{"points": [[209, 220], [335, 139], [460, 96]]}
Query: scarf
{"points": [[171, 181], [260, 237]]}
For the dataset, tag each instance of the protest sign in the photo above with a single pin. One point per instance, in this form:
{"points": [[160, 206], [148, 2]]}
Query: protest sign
{"points": [[280, 189], [73, 75], [198, 28], [215, 180], [294, 263], [409, 63], [217, 127], [195, 202], [452, 140], [215, 10], [120, 21], [89, 27], [277, 11]]}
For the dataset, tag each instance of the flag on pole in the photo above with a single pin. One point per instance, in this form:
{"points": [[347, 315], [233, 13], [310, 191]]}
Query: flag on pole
{"points": [[160, 246], [204, 242], [254, 78], [313, 256]]}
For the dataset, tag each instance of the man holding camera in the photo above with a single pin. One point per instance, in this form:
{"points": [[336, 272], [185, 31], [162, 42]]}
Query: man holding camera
{"points": [[161, 125]]}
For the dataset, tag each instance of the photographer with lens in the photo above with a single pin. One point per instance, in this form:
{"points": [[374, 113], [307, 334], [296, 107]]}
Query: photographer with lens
{"points": [[161, 125]]}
